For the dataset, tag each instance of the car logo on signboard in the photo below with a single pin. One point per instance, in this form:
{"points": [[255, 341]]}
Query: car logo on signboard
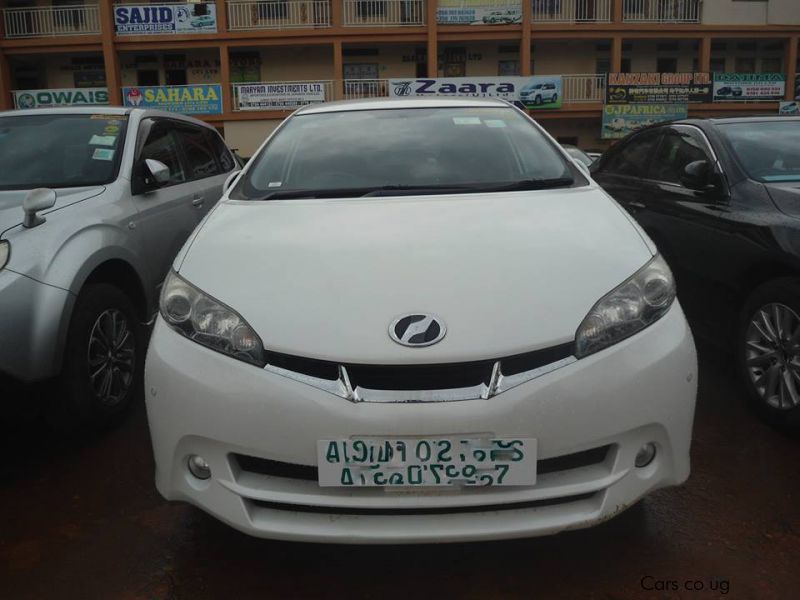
{"points": [[417, 329]]}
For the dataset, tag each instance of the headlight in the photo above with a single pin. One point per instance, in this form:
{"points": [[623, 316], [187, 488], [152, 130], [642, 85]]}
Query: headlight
{"points": [[5, 252], [209, 322], [632, 306]]}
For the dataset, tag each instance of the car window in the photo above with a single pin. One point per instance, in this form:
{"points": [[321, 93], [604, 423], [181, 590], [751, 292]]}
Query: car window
{"points": [[162, 145], [60, 150], [768, 151], [632, 158], [221, 151], [199, 153], [467, 147], [678, 148]]}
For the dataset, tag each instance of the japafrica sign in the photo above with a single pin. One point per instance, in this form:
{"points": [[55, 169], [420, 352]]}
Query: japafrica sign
{"points": [[477, 12], [658, 88], [150, 19], [620, 120], [205, 99], [278, 96], [529, 92], [749, 86], [60, 97]]}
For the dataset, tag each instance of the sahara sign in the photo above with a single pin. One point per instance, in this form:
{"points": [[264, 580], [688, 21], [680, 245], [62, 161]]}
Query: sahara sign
{"points": [[157, 19], [620, 120], [658, 88], [760, 87], [528, 92], [205, 99], [60, 97]]}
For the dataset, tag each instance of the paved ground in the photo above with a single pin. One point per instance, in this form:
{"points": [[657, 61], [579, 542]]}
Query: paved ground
{"points": [[84, 521]]}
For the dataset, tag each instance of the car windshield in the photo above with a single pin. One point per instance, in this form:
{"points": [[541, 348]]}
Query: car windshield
{"points": [[364, 152], [59, 150], [768, 151]]}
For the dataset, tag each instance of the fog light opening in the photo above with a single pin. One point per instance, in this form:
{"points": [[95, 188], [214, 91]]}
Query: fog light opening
{"points": [[645, 455], [199, 467]]}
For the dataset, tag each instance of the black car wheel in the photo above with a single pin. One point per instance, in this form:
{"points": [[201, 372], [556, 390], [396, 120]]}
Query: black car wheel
{"points": [[103, 361], [555, 98], [538, 100], [769, 352]]}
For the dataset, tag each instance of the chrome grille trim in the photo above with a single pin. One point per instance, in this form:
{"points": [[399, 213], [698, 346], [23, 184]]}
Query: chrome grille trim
{"points": [[498, 384]]}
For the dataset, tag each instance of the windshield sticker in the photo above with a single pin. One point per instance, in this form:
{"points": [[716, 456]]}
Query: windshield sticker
{"points": [[103, 140], [112, 119], [275, 184], [467, 120], [494, 123], [103, 154], [111, 129]]}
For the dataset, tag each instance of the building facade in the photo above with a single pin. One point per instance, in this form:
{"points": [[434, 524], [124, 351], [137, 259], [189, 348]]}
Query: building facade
{"points": [[243, 65]]}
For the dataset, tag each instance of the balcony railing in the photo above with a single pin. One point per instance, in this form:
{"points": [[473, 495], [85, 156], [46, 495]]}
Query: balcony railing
{"points": [[46, 21], [580, 89], [365, 88], [278, 14], [662, 11], [571, 11], [280, 95], [384, 13]]}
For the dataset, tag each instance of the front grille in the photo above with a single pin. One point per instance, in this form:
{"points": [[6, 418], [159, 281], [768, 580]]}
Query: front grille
{"points": [[328, 510], [421, 377], [274, 468]]}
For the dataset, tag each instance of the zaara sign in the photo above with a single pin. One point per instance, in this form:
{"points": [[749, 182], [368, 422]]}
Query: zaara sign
{"points": [[186, 99], [60, 97], [149, 19], [528, 92]]}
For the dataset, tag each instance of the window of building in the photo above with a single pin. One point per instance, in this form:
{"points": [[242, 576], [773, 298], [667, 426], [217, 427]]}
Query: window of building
{"points": [[745, 65], [717, 65], [667, 65], [507, 68], [175, 69], [772, 65], [245, 67], [146, 77], [626, 65], [602, 65]]}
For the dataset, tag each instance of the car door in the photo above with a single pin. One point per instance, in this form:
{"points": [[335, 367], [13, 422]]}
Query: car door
{"points": [[684, 223], [620, 171], [209, 164], [167, 212]]}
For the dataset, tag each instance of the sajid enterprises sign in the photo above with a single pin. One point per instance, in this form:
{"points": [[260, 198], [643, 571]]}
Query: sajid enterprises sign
{"points": [[60, 97]]}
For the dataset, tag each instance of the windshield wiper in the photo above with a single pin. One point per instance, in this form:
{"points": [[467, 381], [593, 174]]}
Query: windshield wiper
{"points": [[392, 190], [531, 184]]}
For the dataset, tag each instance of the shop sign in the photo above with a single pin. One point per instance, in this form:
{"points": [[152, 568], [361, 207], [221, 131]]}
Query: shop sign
{"points": [[790, 108], [541, 92], [621, 119], [158, 19], [60, 97], [202, 99], [279, 96], [658, 88], [477, 12], [759, 87]]}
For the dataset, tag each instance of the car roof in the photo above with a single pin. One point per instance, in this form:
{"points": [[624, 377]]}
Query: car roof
{"points": [[740, 119], [104, 110], [397, 103]]}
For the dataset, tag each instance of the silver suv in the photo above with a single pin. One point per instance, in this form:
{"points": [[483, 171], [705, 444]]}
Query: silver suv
{"points": [[94, 205]]}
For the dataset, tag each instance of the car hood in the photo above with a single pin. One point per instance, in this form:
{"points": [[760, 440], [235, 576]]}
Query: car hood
{"points": [[11, 213], [507, 273], [786, 197]]}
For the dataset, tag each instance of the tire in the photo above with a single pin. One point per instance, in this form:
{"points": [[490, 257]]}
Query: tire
{"points": [[538, 100], [768, 352], [85, 402], [555, 98]]}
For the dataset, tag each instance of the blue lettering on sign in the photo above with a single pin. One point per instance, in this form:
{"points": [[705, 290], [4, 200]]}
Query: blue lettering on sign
{"points": [[144, 18]]}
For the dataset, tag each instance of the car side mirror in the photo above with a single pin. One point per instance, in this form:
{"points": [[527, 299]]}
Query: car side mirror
{"points": [[696, 175], [230, 181], [158, 170], [36, 200]]}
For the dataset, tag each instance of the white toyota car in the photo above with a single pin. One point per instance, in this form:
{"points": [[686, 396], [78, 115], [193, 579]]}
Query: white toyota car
{"points": [[417, 321]]}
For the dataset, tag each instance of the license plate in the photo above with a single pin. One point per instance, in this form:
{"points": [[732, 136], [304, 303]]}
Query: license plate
{"points": [[422, 462]]}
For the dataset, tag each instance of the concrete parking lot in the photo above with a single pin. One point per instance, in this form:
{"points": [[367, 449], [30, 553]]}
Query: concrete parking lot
{"points": [[85, 521]]}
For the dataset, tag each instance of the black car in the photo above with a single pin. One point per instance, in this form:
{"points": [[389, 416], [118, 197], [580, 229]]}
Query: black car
{"points": [[721, 200]]}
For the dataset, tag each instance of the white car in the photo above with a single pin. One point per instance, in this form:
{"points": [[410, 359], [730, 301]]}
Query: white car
{"points": [[417, 321]]}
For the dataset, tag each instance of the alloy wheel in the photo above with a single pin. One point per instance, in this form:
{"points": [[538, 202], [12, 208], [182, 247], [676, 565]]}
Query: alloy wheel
{"points": [[111, 357], [772, 355]]}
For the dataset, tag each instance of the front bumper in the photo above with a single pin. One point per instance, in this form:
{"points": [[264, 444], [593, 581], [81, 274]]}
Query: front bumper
{"points": [[200, 402], [33, 325]]}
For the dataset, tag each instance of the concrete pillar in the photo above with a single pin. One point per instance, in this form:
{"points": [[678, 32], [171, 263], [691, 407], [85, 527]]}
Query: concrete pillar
{"points": [[433, 41], [110, 57], [5, 83], [525, 44], [704, 58], [222, 16], [338, 71], [616, 54], [225, 79], [791, 67]]}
